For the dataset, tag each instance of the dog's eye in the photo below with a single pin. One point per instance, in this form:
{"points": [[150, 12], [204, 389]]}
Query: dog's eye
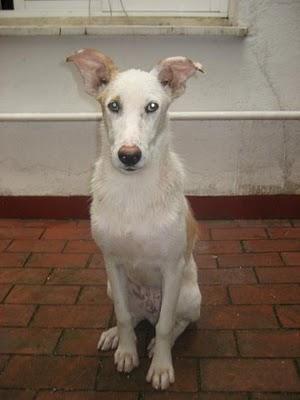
{"points": [[151, 107], [114, 106]]}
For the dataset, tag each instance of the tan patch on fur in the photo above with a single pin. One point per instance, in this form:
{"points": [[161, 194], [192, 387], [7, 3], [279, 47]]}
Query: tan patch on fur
{"points": [[192, 232]]}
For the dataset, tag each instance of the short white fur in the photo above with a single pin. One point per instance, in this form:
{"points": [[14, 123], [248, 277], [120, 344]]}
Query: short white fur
{"points": [[140, 218]]}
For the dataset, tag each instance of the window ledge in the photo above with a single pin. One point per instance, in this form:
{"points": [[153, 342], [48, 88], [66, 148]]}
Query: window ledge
{"points": [[120, 25]]}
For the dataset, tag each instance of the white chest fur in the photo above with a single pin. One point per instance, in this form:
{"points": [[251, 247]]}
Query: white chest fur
{"points": [[137, 220]]}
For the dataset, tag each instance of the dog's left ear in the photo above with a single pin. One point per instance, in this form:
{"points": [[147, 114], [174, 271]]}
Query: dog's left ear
{"points": [[173, 72], [96, 68]]}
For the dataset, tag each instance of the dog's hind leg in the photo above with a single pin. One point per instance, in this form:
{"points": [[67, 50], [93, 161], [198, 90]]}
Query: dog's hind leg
{"points": [[177, 331], [109, 339]]}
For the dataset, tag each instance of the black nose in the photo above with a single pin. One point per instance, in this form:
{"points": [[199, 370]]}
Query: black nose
{"points": [[129, 155]]}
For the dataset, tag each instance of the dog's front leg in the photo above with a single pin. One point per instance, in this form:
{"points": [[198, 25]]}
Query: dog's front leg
{"points": [[161, 371], [126, 357]]}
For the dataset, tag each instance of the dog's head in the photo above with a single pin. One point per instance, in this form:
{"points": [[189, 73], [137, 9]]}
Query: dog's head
{"points": [[134, 102]]}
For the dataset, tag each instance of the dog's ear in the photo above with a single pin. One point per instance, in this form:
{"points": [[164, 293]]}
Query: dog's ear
{"points": [[96, 69], [173, 72]]}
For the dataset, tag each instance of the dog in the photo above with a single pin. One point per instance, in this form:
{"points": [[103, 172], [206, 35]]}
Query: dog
{"points": [[140, 217]]}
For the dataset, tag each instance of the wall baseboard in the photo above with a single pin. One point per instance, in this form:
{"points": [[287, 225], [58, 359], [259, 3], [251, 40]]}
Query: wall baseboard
{"points": [[205, 207]]}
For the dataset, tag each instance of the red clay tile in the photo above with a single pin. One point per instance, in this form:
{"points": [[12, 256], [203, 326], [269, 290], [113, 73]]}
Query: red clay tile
{"points": [[97, 261], [28, 340], [226, 273], [39, 246], [78, 277], [289, 316], [78, 316], [217, 247], [203, 231], [39, 223], [170, 396], [58, 260], [206, 261], [79, 342], [222, 396], [200, 343], [4, 244], [249, 375], [94, 295], [13, 260], [3, 362], [238, 233], [23, 275], [284, 233], [83, 223], [275, 275], [226, 276], [86, 395], [67, 232], [81, 246], [263, 222], [265, 294], [272, 245], [108, 377], [4, 289], [237, 317], [47, 372], [17, 394], [46, 223], [250, 260], [213, 295], [291, 258], [20, 233], [15, 315], [275, 396], [219, 223], [269, 344], [27, 294]]}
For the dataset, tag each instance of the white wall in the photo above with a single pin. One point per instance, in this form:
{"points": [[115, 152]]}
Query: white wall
{"points": [[259, 72]]}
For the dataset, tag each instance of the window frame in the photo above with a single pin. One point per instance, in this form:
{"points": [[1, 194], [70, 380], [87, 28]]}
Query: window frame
{"points": [[84, 8]]}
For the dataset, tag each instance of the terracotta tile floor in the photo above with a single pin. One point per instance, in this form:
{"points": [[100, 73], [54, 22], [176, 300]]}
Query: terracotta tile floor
{"points": [[54, 306]]}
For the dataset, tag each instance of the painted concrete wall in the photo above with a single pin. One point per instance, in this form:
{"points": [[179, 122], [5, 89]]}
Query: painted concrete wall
{"points": [[259, 72]]}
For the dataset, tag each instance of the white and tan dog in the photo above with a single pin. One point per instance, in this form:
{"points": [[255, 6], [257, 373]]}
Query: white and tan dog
{"points": [[139, 215]]}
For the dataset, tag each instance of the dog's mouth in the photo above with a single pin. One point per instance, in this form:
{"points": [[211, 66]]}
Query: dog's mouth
{"points": [[128, 170]]}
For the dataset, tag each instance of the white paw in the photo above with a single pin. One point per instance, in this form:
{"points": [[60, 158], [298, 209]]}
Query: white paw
{"points": [[160, 374], [126, 359], [109, 339]]}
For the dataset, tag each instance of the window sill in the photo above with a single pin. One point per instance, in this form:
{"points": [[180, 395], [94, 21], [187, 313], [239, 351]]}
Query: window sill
{"points": [[120, 25]]}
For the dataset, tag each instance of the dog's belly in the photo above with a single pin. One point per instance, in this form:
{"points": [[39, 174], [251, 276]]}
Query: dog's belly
{"points": [[144, 301], [143, 273]]}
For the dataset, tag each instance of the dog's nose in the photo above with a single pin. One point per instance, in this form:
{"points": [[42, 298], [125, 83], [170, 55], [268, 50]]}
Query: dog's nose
{"points": [[129, 155]]}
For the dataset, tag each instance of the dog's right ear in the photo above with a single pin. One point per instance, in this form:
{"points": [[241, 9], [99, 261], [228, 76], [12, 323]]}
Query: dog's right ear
{"points": [[96, 69]]}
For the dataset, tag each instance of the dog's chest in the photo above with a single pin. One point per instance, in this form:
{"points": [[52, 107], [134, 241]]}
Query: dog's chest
{"points": [[148, 238], [130, 239]]}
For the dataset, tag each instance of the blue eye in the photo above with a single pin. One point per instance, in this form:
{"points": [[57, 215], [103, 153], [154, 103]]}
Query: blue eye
{"points": [[114, 106], [151, 107]]}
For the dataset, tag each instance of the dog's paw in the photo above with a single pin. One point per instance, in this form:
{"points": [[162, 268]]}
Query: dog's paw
{"points": [[161, 373], [109, 339], [126, 359]]}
